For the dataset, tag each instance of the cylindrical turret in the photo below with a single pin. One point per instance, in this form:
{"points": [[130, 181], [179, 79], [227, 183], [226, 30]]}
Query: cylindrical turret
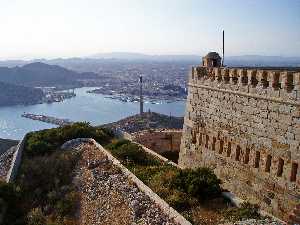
{"points": [[212, 59]]}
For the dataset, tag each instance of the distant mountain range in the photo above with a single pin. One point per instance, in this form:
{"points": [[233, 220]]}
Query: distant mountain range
{"points": [[244, 60], [41, 74], [79, 64], [258, 60], [139, 56]]}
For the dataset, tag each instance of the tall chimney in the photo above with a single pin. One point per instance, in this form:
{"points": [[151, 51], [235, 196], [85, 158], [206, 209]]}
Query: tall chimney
{"points": [[141, 96], [223, 50]]}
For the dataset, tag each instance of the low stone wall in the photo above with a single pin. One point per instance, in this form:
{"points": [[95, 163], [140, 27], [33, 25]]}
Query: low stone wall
{"points": [[15, 164], [172, 213], [123, 134], [127, 136], [161, 140], [5, 162]]}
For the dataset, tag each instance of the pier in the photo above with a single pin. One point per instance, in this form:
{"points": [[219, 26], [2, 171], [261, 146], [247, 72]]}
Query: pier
{"points": [[48, 119]]}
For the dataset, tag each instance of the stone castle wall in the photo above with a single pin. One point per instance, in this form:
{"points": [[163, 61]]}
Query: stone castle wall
{"points": [[160, 140], [16, 161], [245, 124]]}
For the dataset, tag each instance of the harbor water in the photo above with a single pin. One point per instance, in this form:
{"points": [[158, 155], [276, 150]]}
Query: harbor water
{"points": [[94, 108]]}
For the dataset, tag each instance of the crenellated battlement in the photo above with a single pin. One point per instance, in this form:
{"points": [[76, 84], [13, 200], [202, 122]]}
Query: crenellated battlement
{"points": [[268, 83], [244, 123]]}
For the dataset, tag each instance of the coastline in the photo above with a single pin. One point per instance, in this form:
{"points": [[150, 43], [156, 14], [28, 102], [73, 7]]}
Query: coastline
{"points": [[96, 109], [134, 98]]}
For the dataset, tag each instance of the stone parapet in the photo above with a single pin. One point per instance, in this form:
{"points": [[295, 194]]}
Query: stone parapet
{"points": [[127, 136], [284, 85]]}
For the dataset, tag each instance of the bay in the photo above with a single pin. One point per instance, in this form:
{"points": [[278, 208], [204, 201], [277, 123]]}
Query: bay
{"points": [[94, 108]]}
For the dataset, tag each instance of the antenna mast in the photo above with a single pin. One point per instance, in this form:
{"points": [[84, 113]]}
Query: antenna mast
{"points": [[141, 95], [223, 50]]}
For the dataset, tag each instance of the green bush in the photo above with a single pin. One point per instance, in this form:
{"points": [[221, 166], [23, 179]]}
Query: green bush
{"points": [[47, 141], [44, 175], [180, 200], [116, 144], [145, 173], [246, 211], [9, 201], [35, 145], [201, 183], [130, 153], [46, 183], [160, 179]]}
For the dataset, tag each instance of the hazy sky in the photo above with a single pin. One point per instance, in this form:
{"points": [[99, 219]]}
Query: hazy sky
{"points": [[67, 28]]}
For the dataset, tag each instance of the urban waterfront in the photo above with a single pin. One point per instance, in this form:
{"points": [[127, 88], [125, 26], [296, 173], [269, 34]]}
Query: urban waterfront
{"points": [[94, 108]]}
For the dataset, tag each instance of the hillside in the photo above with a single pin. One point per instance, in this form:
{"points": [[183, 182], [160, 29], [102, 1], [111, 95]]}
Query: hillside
{"points": [[41, 74], [11, 94], [148, 120]]}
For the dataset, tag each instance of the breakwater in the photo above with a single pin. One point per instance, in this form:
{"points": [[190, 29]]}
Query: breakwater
{"points": [[47, 119]]}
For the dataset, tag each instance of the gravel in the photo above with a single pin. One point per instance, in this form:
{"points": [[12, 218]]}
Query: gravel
{"points": [[255, 222], [5, 162], [109, 197]]}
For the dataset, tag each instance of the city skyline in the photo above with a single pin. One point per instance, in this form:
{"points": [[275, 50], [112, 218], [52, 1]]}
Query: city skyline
{"points": [[51, 29]]}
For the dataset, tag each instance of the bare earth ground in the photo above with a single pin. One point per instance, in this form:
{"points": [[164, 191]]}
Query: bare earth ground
{"points": [[107, 197]]}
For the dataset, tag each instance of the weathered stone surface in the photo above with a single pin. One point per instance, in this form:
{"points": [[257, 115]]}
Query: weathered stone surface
{"points": [[5, 162], [260, 132], [160, 140], [254, 222]]}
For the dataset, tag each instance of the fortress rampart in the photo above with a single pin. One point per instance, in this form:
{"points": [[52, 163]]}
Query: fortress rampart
{"points": [[280, 86], [245, 124]]}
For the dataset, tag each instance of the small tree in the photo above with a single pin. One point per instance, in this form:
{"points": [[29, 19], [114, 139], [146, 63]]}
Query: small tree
{"points": [[201, 183]]}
